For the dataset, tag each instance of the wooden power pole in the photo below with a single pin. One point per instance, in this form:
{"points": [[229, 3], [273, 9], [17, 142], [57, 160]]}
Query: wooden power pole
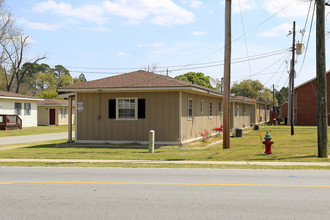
{"points": [[322, 117], [292, 73], [227, 64]]}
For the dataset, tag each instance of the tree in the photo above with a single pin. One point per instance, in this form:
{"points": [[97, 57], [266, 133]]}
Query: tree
{"points": [[48, 95], [59, 71], [82, 78], [282, 95], [28, 85], [252, 88], [12, 50], [45, 81], [196, 78], [75, 80], [64, 80]]}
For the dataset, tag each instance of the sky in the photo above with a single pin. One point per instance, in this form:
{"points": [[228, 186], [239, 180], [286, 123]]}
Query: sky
{"points": [[102, 38]]}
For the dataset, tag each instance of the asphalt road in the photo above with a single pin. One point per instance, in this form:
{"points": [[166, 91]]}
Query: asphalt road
{"points": [[33, 138], [122, 193]]}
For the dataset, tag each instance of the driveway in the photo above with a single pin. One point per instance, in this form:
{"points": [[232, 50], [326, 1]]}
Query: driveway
{"points": [[33, 138]]}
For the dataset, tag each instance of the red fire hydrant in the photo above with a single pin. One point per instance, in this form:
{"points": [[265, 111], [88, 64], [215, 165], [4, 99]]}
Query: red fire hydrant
{"points": [[268, 143]]}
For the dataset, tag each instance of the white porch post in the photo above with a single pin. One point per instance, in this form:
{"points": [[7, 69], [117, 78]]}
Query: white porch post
{"points": [[70, 121]]}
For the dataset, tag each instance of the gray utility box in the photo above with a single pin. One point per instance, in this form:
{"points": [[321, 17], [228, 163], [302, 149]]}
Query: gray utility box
{"points": [[238, 132]]}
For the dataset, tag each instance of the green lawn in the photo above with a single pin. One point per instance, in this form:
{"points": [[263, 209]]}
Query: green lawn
{"points": [[35, 130], [300, 147]]}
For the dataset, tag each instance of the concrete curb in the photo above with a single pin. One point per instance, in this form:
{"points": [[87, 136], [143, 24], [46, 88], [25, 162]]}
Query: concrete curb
{"points": [[173, 162]]}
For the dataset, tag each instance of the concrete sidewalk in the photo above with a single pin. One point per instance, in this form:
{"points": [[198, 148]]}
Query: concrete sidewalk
{"points": [[33, 138], [321, 164]]}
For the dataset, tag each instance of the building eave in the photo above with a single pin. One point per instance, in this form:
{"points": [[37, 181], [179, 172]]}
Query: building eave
{"points": [[187, 88], [21, 98]]}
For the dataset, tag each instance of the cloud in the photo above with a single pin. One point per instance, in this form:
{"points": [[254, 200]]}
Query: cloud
{"points": [[92, 13], [155, 44], [198, 33], [38, 26], [160, 12], [278, 31], [121, 54], [240, 5], [287, 8], [196, 4]]}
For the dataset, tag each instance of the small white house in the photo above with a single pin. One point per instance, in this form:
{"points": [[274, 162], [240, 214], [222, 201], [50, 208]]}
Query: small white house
{"points": [[22, 105]]}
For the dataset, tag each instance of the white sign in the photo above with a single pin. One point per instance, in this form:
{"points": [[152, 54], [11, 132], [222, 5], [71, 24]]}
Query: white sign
{"points": [[80, 106]]}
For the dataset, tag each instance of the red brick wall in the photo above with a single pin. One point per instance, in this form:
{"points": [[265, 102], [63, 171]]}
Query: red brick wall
{"points": [[306, 103], [284, 110]]}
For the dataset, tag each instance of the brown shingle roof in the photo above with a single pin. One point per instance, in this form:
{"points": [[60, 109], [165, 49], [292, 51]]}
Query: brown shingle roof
{"points": [[242, 99], [136, 79], [54, 102], [16, 95]]}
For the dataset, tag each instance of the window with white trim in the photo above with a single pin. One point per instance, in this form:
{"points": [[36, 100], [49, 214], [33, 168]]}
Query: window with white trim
{"points": [[219, 106], [27, 108], [18, 107], [210, 110], [202, 106], [63, 113], [127, 108], [190, 110], [237, 111]]}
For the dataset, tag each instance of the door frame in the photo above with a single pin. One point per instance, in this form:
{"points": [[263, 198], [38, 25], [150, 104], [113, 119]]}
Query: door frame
{"points": [[49, 116]]}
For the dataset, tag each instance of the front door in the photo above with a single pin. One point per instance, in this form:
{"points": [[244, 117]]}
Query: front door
{"points": [[51, 116]]}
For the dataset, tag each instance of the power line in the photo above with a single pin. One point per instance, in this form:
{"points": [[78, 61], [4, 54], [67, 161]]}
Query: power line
{"points": [[240, 36], [195, 66], [309, 35], [246, 47]]}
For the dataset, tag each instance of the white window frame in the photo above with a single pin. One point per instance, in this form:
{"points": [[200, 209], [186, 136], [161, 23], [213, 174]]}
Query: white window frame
{"points": [[210, 109], [63, 113], [27, 111], [202, 106], [190, 109], [219, 106], [18, 111], [135, 108], [237, 111]]}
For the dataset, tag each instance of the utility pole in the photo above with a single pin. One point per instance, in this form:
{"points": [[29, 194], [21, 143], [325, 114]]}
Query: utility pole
{"points": [[322, 117], [292, 73], [289, 99], [227, 64], [273, 115]]}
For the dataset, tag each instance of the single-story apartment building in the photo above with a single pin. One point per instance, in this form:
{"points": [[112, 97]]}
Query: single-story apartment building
{"points": [[305, 103], [22, 105], [124, 108], [243, 112], [54, 112]]}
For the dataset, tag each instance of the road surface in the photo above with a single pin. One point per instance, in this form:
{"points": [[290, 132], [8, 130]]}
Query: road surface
{"points": [[136, 193], [33, 138]]}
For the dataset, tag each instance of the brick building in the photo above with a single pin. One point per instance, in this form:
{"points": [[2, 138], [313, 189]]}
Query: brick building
{"points": [[306, 102]]}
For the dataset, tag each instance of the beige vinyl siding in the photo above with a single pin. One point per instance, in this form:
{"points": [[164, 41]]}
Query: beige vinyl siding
{"points": [[244, 119], [43, 115], [199, 121], [162, 110]]}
